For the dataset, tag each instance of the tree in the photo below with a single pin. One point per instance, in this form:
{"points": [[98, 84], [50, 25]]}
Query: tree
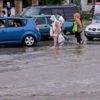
{"points": [[41, 2], [27, 3], [77, 2]]}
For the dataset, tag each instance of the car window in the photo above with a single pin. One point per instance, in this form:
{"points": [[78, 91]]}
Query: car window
{"points": [[46, 11], [24, 11], [16, 22], [2, 23], [56, 10], [40, 20], [98, 21], [69, 11], [48, 20], [31, 11]]}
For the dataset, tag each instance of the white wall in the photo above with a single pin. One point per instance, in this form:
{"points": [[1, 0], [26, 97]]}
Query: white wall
{"points": [[85, 7], [67, 1]]}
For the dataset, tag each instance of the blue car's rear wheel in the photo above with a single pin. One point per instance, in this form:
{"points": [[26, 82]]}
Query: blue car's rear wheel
{"points": [[29, 41]]}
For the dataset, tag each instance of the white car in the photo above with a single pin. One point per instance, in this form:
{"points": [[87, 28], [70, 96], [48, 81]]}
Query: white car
{"points": [[93, 30]]}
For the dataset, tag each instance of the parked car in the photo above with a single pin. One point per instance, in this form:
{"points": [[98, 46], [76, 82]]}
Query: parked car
{"points": [[18, 30], [43, 24], [66, 11], [93, 30]]}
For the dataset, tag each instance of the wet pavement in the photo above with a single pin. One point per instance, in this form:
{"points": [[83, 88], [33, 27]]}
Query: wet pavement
{"points": [[43, 73]]}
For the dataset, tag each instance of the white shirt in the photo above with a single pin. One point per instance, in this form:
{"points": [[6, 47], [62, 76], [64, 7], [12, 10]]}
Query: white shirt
{"points": [[61, 20]]}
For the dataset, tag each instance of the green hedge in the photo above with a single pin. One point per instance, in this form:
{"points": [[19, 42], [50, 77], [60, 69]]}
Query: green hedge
{"points": [[86, 16]]}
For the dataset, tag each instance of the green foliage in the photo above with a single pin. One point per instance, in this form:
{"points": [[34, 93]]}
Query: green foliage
{"points": [[41, 2], [27, 3], [86, 16], [50, 2], [77, 2]]}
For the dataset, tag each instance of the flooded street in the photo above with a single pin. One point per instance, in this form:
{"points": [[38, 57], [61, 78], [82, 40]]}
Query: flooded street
{"points": [[42, 73]]}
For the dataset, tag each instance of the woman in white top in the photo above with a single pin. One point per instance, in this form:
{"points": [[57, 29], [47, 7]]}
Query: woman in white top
{"points": [[56, 29], [60, 18]]}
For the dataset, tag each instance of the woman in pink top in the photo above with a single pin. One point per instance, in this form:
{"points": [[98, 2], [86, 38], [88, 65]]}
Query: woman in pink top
{"points": [[80, 28]]}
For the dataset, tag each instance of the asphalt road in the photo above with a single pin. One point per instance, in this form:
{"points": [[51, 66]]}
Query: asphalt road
{"points": [[42, 73]]}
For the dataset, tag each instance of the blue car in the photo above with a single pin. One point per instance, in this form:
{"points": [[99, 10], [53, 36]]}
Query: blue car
{"points": [[18, 30]]}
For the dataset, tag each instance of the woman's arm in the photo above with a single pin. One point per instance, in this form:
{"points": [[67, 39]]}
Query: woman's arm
{"points": [[78, 21]]}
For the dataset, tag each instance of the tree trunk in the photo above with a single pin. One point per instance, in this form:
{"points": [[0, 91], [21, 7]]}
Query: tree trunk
{"points": [[18, 7], [34, 2], [1, 5]]}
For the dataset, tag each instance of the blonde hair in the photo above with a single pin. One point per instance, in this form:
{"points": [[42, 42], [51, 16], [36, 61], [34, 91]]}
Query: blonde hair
{"points": [[77, 15]]}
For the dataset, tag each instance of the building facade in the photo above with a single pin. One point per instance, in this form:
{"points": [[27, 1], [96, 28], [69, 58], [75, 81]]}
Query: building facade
{"points": [[87, 4]]}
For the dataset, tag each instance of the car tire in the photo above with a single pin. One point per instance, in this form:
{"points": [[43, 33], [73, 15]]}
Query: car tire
{"points": [[29, 41], [90, 38]]}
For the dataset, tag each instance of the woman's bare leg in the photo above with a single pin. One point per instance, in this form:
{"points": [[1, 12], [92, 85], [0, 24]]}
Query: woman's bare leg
{"points": [[55, 40]]}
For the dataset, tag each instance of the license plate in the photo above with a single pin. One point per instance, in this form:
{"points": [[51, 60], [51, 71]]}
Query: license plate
{"points": [[95, 33]]}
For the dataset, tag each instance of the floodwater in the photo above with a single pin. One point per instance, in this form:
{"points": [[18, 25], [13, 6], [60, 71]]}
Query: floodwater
{"points": [[43, 73]]}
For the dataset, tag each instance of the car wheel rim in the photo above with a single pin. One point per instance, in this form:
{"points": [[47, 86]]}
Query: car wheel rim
{"points": [[29, 41]]}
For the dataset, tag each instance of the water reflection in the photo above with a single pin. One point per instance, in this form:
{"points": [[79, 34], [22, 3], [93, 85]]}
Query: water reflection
{"points": [[15, 50], [78, 50], [19, 50], [55, 52], [9, 51]]}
